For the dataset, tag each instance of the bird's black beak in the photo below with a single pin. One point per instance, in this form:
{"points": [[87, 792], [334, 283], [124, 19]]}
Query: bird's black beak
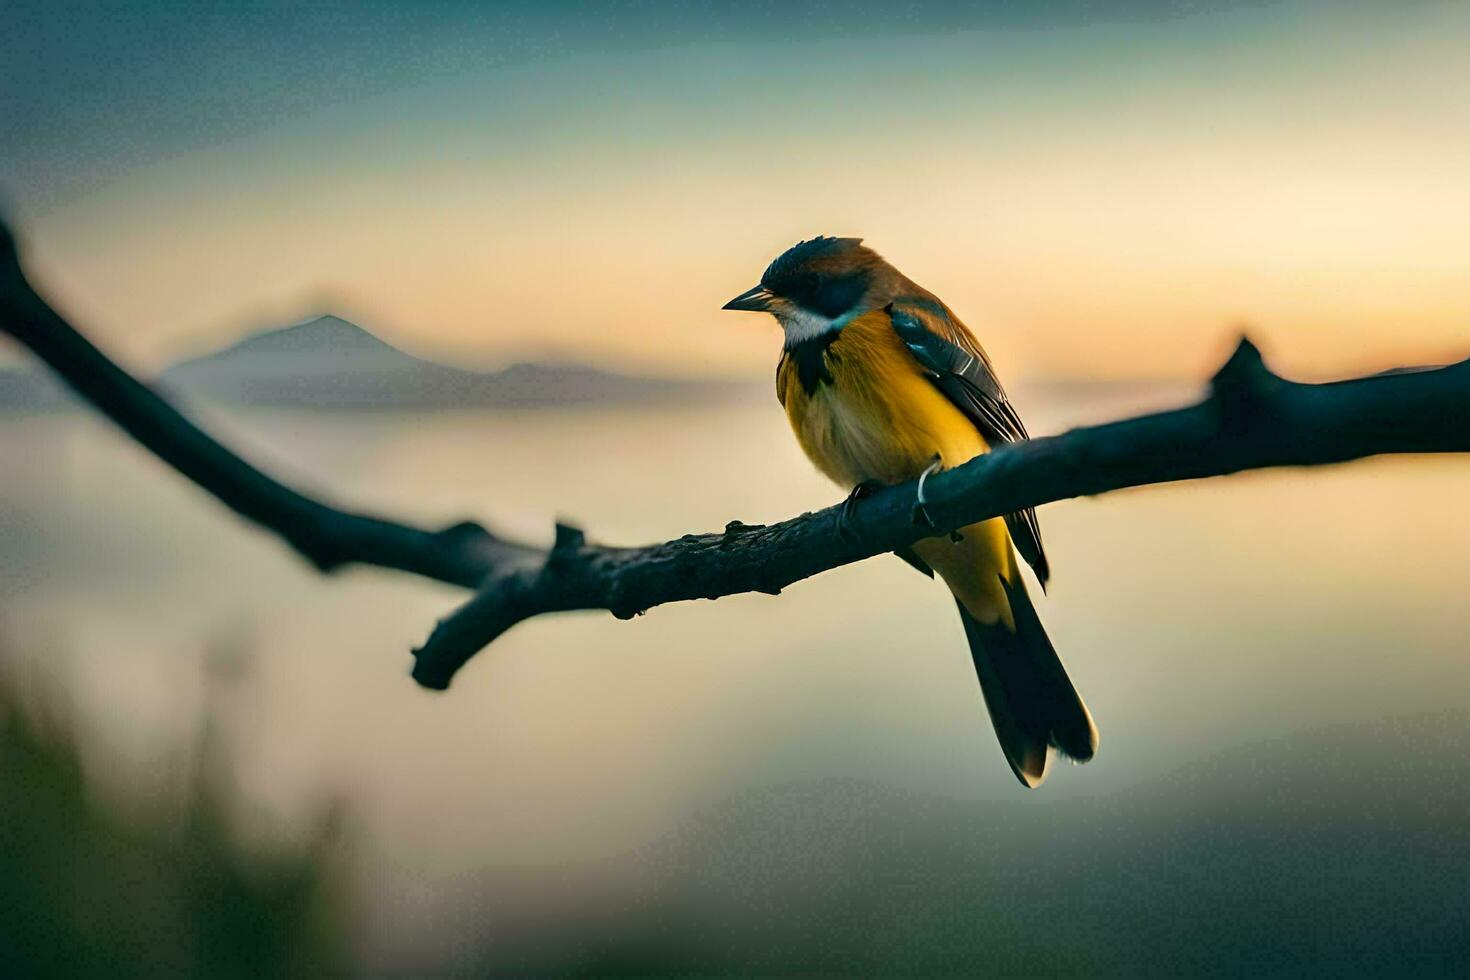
{"points": [[757, 300]]}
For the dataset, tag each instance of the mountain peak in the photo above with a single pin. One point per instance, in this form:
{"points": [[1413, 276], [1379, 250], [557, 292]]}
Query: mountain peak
{"points": [[325, 334]]}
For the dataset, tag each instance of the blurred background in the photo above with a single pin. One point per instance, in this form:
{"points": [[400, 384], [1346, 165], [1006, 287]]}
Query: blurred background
{"points": [[448, 262]]}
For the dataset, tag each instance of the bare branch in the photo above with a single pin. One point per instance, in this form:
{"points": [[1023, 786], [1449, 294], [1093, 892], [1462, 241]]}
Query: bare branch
{"points": [[1250, 419]]}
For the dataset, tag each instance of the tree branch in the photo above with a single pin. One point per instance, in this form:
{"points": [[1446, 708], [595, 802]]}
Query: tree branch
{"points": [[1250, 419]]}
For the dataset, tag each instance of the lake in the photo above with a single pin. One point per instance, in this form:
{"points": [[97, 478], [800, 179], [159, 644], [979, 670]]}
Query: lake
{"points": [[1277, 663]]}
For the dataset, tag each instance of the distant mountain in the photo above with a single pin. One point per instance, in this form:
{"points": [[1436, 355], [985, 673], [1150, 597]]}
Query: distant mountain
{"points": [[330, 363], [330, 335]]}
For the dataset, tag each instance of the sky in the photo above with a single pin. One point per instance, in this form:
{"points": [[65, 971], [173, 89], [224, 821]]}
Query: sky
{"points": [[1101, 191]]}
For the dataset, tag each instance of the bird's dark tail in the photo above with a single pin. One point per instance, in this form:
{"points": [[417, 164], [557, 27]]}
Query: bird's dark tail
{"points": [[1032, 702]]}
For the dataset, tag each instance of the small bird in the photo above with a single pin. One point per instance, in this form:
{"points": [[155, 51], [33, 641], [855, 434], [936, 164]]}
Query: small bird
{"points": [[882, 383]]}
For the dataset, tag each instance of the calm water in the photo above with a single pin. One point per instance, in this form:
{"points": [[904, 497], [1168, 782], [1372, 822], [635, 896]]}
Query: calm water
{"points": [[1277, 663]]}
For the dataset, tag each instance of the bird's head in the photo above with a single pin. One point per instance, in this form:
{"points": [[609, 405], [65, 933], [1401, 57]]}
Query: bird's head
{"points": [[819, 286]]}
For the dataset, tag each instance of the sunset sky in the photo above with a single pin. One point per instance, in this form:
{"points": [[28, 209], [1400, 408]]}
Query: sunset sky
{"points": [[1098, 195]]}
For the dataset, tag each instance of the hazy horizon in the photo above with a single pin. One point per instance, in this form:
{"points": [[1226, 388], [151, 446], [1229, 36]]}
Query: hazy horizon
{"points": [[205, 347]]}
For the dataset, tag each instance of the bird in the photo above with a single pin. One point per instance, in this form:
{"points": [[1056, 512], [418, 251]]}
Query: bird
{"points": [[882, 384]]}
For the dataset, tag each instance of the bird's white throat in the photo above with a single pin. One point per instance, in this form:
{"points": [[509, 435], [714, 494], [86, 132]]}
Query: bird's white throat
{"points": [[801, 324]]}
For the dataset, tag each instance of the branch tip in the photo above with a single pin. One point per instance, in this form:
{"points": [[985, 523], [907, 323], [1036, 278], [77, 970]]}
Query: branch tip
{"points": [[430, 680]]}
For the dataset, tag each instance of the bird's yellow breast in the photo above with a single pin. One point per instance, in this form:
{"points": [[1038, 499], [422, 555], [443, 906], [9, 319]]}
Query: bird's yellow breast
{"points": [[867, 412], [872, 415]]}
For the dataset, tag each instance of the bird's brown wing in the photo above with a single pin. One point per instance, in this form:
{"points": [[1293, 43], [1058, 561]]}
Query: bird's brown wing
{"points": [[956, 363]]}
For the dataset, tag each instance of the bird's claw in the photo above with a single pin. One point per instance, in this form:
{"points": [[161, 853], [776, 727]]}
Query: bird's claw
{"points": [[920, 513], [845, 529]]}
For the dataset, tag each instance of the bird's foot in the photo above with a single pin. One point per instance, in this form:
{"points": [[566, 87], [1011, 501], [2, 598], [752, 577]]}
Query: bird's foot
{"points": [[845, 529], [920, 514]]}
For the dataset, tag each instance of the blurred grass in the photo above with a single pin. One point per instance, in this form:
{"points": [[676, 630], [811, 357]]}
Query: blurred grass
{"points": [[84, 893]]}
